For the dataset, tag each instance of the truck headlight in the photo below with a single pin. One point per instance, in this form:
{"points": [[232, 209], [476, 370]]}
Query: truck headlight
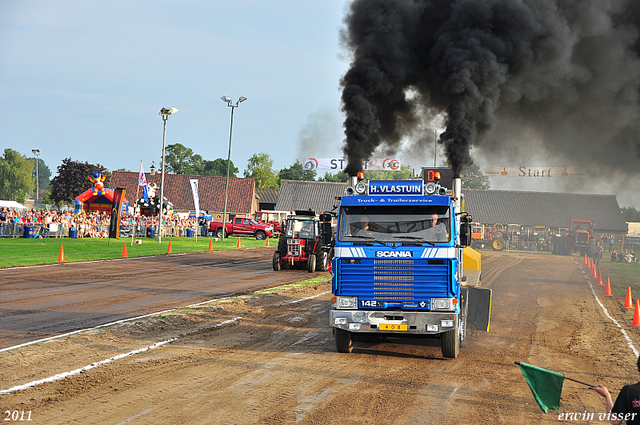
{"points": [[442, 304], [346, 303]]}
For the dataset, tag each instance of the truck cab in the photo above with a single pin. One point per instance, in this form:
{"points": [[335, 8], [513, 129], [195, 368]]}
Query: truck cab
{"points": [[397, 264]]}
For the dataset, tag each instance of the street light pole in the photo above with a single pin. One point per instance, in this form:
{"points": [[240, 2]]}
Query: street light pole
{"points": [[227, 100], [165, 112], [36, 152]]}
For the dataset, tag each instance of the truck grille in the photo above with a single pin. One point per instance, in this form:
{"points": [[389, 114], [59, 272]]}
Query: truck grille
{"points": [[398, 281]]}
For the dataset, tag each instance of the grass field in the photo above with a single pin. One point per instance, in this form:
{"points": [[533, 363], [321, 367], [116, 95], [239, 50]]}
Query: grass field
{"points": [[23, 252]]}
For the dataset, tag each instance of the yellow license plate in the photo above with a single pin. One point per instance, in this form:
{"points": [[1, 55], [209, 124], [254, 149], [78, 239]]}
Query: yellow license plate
{"points": [[391, 327]]}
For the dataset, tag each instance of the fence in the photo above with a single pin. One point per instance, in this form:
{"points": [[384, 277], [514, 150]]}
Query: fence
{"points": [[38, 230], [521, 246]]}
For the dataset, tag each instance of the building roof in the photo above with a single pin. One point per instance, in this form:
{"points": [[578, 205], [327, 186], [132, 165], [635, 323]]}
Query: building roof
{"points": [[544, 209], [305, 195], [177, 190], [267, 196]]}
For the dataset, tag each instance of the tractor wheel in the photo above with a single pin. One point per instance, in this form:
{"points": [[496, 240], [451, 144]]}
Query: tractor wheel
{"points": [[322, 261], [498, 244], [344, 341], [276, 261], [311, 263], [450, 344]]}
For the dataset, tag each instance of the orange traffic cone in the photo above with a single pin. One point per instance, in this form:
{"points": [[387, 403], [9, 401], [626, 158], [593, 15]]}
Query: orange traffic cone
{"points": [[599, 278], [636, 315], [61, 255], [627, 301], [594, 274], [169, 250], [607, 289], [210, 245], [585, 259], [124, 251], [267, 241], [239, 243]]}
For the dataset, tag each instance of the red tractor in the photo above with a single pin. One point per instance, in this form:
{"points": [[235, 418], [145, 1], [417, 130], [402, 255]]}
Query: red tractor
{"points": [[579, 238], [305, 241]]}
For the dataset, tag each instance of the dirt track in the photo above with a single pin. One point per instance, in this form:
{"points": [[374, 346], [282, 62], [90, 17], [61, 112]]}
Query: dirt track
{"points": [[271, 359]]}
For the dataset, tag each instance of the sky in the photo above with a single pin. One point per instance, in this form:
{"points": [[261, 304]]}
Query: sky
{"points": [[86, 80]]}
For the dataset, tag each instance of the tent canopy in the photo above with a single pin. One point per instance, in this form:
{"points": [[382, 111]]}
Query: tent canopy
{"points": [[11, 204]]}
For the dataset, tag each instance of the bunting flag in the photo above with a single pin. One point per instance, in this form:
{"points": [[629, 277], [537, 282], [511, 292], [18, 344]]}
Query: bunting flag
{"points": [[196, 200], [545, 385], [143, 182]]}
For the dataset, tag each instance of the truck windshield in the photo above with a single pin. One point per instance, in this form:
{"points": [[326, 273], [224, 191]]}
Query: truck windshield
{"points": [[391, 224], [301, 229]]}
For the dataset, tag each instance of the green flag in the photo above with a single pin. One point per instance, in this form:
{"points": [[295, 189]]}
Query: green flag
{"points": [[545, 385]]}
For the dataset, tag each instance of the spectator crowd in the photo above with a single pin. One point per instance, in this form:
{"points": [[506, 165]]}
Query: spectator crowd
{"points": [[95, 224]]}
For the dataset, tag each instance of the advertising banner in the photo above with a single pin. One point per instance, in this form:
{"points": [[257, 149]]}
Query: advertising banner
{"points": [[535, 172], [114, 224], [339, 164]]}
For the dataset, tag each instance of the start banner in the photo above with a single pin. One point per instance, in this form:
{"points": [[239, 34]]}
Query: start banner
{"points": [[339, 164], [534, 171]]}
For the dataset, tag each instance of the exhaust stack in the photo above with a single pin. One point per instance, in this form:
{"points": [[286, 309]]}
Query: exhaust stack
{"points": [[457, 191]]}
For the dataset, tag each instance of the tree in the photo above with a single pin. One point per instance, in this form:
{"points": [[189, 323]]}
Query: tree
{"points": [[73, 179], [260, 168], [631, 214], [296, 172], [472, 178], [338, 177], [181, 160], [218, 167], [15, 176], [404, 173]]}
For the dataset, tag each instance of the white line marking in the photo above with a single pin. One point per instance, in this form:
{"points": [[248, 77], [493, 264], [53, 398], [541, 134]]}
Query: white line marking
{"points": [[606, 312], [103, 362], [304, 299]]}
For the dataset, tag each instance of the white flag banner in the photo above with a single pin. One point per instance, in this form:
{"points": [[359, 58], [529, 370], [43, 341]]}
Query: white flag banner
{"points": [[196, 200], [535, 172], [339, 164]]}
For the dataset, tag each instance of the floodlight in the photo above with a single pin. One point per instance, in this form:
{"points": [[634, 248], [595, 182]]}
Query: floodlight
{"points": [[226, 99], [168, 111], [242, 99], [35, 151]]}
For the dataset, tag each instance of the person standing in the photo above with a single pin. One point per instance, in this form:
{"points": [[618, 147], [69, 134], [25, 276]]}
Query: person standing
{"points": [[597, 253], [627, 405]]}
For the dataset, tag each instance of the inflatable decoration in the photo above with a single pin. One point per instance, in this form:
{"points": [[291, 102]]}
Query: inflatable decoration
{"points": [[98, 181]]}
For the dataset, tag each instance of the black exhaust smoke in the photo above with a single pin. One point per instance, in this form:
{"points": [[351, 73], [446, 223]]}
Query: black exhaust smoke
{"points": [[567, 71]]}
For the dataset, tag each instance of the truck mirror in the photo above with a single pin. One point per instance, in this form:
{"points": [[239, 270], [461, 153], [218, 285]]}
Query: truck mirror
{"points": [[465, 230], [465, 234]]}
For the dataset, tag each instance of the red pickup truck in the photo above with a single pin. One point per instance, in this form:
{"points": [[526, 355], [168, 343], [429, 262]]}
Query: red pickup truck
{"points": [[242, 226]]}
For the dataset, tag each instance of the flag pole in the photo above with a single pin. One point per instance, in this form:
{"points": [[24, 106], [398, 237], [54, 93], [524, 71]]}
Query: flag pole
{"points": [[133, 234], [570, 379]]}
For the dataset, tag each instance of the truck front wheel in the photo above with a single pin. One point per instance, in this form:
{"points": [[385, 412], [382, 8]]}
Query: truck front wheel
{"points": [[260, 235], [219, 232], [344, 341], [449, 344]]}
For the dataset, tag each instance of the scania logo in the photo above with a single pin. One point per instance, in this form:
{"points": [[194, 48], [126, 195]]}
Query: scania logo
{"points": [[402, 254]]}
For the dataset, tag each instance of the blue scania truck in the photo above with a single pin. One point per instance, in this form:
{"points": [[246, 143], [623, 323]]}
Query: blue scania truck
{"points": [[397, 265]]}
